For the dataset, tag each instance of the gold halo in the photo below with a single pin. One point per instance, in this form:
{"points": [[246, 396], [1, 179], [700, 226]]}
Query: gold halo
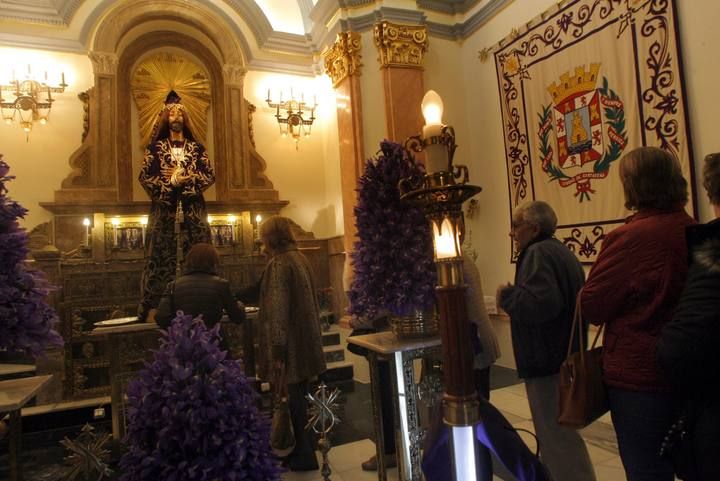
{"points": [[153, 80]]}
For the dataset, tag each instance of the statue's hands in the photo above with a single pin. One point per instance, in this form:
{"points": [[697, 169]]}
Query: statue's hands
{"points": [[180, 178], [176, 177], [167, 173]]}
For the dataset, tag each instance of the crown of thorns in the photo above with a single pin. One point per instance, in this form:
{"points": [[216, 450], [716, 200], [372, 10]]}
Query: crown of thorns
{"points": [[174, 107]]}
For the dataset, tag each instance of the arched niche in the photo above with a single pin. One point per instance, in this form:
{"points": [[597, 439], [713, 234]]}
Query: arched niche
{"points": [[102, 173]]}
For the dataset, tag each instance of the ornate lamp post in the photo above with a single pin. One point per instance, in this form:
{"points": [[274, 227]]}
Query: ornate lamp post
{"points": [[441, 193]]}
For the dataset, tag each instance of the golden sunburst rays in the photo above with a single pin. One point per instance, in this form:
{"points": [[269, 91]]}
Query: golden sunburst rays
{"points": [[155, 77]]}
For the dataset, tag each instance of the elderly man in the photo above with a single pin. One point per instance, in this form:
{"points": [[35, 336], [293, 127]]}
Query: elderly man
{"points": [[541, 304]]}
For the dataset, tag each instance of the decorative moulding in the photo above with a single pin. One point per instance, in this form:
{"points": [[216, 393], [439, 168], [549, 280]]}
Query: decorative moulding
{"points": [[49, 12], [447, 6], [342, 59], [400, 45]]}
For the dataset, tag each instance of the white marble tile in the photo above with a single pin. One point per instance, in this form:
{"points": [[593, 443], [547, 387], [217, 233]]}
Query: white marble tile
{"points": [[609, 473], [305, 476], [614, 462], [517, 389], [598, 454], [349, 456], [359, 475], [514, 405]]}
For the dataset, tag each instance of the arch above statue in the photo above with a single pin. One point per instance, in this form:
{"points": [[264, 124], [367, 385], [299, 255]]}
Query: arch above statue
{"points": [[211, 63]]}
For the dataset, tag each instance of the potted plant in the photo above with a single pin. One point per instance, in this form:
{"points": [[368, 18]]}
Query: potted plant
{"points": [[26, 319], [392, 258], [193, 416]]}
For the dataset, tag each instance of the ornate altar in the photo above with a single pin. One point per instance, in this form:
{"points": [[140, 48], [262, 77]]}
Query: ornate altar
{"points": [[94, 248]]}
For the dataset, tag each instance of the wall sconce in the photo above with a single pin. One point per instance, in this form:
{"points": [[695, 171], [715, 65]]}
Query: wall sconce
{"points": [[29, 105], [441, 193], [294, 121]]}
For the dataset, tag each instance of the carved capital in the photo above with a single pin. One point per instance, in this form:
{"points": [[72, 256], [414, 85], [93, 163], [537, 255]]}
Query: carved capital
{"points": [[342, 59], [234, 74], [104, 63], [400, 45]]}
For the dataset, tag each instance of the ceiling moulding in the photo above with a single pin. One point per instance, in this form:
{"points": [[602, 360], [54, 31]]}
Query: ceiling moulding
{"points": [[288, 43], [306, 7], [325, 10], [481, 17], [47, 12], [270, 65], [447, 6], [41, 43], [395, 15], [354, 3]]}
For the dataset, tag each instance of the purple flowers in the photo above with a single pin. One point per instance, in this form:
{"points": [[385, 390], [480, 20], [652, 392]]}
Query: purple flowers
{"points": [[193, 416], [26, 320], [393, 256]]}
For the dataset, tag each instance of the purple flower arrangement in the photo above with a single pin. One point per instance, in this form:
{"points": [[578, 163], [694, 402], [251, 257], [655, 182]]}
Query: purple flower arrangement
{"points": [[193, 416], [393, 256], [26, 320]]}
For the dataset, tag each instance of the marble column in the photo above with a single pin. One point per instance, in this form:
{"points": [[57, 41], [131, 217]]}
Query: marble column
{"points": [[400, 51], [342, 64]]}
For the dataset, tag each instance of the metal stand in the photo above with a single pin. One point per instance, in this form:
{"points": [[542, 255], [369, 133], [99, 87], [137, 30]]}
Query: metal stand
{"points": [[322, 419]]}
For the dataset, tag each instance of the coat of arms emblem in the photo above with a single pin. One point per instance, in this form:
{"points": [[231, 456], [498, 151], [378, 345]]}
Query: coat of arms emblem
{"points": [[589, 127]]}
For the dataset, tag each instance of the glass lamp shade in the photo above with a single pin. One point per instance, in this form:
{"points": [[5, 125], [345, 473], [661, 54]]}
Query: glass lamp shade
{"points": [[446, 238]]}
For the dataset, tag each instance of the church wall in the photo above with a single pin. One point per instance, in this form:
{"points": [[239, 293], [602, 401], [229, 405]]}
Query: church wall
{"points": [[41, 163], [699, 37], [309, 176]]}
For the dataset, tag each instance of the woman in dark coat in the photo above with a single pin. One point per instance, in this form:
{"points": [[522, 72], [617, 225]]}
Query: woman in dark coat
{"points": [[289, 330], [200, 291], [688, 349]]}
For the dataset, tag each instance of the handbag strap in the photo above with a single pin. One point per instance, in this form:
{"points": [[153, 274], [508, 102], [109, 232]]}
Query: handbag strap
{"points": [[577, 329]]}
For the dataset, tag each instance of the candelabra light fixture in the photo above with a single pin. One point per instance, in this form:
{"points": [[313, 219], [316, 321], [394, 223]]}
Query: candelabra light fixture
{"points": [[294, 116], [441, 193], [28, 99]]}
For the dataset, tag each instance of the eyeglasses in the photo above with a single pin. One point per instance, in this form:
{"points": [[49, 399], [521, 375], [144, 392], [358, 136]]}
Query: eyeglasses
{"points": [[515, 224]]}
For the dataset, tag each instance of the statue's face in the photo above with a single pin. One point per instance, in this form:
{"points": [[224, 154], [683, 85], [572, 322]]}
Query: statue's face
{"points": [[176, 120]]}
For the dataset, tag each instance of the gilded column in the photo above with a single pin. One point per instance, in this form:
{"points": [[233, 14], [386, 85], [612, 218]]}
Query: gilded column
{"points": [[342, 64], [400, 52]]}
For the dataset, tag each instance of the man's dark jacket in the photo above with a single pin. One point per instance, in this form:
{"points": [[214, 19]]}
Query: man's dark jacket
{"points": [[541, 304], [199, 293], [688, 350]]}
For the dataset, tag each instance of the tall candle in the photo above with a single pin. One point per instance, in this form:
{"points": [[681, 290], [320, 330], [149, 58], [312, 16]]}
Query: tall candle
{"points": [[232, 228], [436, 159], [86, 223], [115, 223]]}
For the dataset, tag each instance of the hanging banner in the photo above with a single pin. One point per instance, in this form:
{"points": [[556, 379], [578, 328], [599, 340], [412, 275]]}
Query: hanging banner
{"points": [[580, 86]]}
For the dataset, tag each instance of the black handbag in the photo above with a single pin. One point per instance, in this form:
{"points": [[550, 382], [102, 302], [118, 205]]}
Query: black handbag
{"points": [[282, 434]]}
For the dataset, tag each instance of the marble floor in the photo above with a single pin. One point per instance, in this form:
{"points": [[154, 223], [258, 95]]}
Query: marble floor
{"points": [[511, 400]]}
